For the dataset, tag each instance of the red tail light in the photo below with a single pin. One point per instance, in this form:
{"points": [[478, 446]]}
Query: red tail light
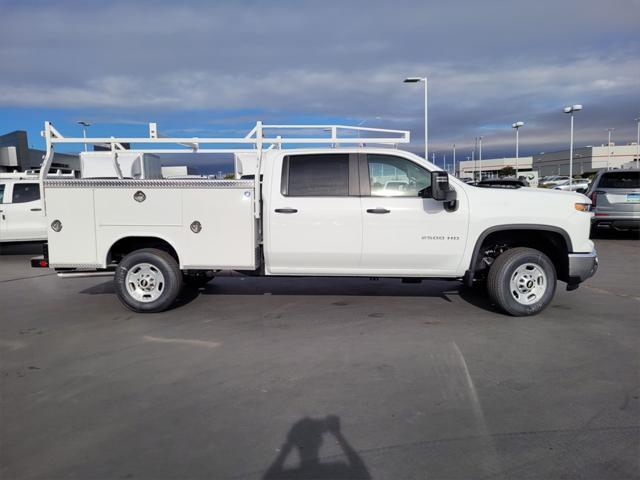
{"points": [[594, 197]]}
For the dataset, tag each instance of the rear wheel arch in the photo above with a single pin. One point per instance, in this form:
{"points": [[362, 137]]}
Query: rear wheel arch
{"points": [[126, 245]]}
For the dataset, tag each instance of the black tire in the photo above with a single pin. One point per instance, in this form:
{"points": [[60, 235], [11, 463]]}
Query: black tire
{"points": [[506, 267], [160, 261]]}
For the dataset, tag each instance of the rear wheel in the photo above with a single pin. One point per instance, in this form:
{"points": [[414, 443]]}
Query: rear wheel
{"points": [[148, 280], [522, 281]]}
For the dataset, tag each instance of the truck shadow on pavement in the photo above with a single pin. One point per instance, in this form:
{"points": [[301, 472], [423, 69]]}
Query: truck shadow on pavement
{"points": [[306, 437], [338, 287]]}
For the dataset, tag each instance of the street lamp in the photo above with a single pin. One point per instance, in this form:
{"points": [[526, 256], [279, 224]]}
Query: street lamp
{"points": [[85, 125], [426, 110], [480, 157], [517, 126], [454, 159], [609, 130], [638, 144], [571, 109]]}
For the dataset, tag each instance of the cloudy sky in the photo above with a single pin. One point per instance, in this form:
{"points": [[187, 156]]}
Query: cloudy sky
{"points": [[214, 67]]}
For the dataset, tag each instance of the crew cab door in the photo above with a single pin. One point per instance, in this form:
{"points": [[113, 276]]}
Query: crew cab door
{"points": [[314, 214], [403, 233], [23, 214]]}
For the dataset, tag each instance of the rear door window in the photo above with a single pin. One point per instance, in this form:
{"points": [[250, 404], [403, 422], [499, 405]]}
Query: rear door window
{"points": [[325, 175], [622, 180], [25, 192]]}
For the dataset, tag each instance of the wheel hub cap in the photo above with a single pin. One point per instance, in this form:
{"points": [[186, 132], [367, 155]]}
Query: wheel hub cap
{"points": [[145, 282], [528, 283]]}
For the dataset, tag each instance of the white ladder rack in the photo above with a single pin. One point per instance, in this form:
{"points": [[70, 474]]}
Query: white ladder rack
{"points": [[254, 141]]}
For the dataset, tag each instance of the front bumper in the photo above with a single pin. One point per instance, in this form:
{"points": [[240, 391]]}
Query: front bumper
{"points": [[581, 267]]}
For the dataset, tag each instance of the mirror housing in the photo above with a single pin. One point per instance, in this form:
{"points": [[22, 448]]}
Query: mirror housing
{"points": [[440, 189], [581, 190]]}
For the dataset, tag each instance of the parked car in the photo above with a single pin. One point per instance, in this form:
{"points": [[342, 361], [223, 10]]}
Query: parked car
{"points": [[317, 211], [502, 183], [580, 184], [552, 181], [615, 200], [21, 218]]}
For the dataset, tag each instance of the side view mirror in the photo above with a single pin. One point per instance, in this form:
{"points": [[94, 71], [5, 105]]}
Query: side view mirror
{"points": [[440, 189], [581, 190]]}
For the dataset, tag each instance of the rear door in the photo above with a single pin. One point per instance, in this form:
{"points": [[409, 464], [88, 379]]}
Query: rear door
{"points": [[315, 224], [24, 214]]}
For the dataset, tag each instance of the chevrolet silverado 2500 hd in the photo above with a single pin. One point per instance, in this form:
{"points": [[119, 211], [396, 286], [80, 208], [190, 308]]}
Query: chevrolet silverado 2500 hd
{"points": [[331, 206]]}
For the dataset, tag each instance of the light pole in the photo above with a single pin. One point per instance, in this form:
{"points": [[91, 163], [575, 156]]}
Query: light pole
{"points": [[454, 159], [571, 109], [517, 126], [638, 144], [473, 157], [609, 130], [426, 111], [480, 156], [85, 125]]}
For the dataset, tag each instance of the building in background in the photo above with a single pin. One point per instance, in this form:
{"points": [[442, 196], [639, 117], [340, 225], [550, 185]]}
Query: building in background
{"points": [[490, 168], [16, 156], [585, 160]]}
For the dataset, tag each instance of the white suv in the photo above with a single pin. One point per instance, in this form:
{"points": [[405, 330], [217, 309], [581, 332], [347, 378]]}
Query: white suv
{"points": [[21, 218]]}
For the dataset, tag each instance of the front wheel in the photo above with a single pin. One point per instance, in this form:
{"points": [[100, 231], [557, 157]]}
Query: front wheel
{"points": [[522, 281], [148, 280]]}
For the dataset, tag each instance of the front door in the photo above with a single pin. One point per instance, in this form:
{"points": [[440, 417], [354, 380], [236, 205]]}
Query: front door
{"points": [[403, 233], [314, 212]]}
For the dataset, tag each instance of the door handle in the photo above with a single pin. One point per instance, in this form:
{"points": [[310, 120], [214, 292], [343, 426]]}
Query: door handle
{"points": [[36, 209], [378, 210], [286, 210]]}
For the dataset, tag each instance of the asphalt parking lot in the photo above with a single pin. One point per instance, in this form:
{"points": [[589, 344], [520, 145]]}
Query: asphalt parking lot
{"points": [[359, 378]]}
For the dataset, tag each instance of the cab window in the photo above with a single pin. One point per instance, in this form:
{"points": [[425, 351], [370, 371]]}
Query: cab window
{"points": [[316, 175], [1, 192], [391, 176], [25, 192]]}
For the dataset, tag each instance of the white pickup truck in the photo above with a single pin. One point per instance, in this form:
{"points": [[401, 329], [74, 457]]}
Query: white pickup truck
{"points": [[338, 208]]}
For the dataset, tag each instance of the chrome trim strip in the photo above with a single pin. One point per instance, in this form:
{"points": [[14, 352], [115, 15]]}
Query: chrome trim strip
{"points": [[133, 183], [86, 266]]}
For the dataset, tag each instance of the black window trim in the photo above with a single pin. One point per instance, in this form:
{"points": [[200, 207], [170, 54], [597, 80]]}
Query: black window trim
{"points": [[354, 181]]}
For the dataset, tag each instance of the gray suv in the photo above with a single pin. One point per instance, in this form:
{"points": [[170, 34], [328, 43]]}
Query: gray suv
{"points": [[615, 197]]}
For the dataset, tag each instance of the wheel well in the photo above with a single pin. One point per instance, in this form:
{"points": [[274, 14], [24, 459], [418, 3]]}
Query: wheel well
{"points": [[553, 244], [126, 245]]}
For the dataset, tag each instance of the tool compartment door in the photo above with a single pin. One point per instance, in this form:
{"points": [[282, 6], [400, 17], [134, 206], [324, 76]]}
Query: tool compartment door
{"points": [[75, 244], [224, 236]]}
